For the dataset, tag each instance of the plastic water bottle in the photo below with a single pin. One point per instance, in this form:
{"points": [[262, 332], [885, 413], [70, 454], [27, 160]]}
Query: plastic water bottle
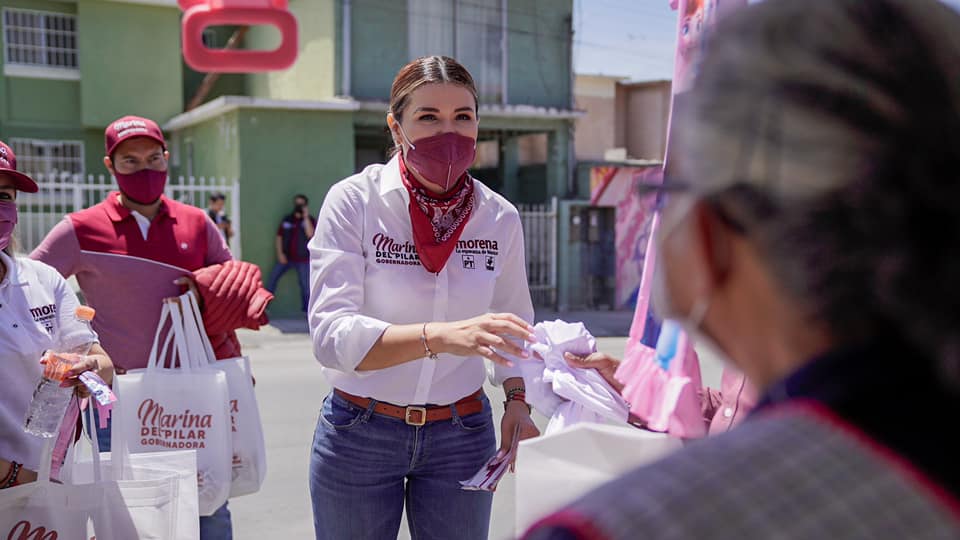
{"points": [[50, 400]]}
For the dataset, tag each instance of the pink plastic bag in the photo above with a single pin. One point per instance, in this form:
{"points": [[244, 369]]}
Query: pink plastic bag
{"points": [[667, 400], [200, 14]]}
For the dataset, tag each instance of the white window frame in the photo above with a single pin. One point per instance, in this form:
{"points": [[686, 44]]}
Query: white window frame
{"points": [[12, 68], [24, 149]]}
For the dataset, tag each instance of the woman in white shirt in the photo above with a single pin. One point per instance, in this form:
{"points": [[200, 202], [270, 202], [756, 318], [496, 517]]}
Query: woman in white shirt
{"points": [[418, 276], [36, 314]]}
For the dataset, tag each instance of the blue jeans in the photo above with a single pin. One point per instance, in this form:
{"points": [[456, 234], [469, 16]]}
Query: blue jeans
{"points": [[364, 467], [213, 527], [303, 276]]}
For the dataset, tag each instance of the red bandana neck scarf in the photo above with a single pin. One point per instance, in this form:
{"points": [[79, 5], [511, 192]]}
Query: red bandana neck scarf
{"points": [[438, 220]]}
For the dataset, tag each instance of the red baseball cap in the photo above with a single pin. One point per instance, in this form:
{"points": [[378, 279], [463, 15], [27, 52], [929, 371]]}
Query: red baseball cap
{"points": [[8, 166], [129, 127]]}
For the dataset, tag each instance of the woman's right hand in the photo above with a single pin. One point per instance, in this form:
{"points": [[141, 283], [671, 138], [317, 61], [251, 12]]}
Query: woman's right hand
{"points": [[484, 336]]}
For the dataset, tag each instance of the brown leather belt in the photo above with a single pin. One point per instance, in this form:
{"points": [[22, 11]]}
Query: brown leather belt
{"points": [[418, 416]]}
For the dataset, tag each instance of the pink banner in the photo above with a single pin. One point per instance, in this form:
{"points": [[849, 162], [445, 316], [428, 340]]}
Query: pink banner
{"points": [[693, 19], [667, 397]]}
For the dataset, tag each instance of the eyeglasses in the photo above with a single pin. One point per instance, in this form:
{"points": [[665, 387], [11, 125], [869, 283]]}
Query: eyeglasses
{"points": [[739, 195]]}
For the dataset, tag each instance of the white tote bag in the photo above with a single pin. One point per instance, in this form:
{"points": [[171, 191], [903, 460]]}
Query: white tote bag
{"points": [[179, 408], [141, 503], [556, 469], [45, 510], [249, 450], [132, 471], [108, 509]]}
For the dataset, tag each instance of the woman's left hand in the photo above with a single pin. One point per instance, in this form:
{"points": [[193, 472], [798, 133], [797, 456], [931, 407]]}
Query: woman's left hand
{"points": [[97, 361], [515, 414]]}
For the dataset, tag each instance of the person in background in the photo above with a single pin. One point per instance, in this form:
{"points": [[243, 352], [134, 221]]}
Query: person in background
{"points": [[132, 251], [215, 206], [36, 314], [807, 237], [293, 234]]}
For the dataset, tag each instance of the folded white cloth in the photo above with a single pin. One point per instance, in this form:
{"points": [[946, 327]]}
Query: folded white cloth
{"points": [[566, 394]]}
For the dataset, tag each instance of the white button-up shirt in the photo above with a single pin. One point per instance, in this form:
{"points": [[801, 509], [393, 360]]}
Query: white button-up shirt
{"points": [[365, 275], [37, 312]]}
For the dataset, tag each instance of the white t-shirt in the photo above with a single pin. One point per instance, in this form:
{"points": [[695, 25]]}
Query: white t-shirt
{"points": [[365, 275], [36, 314], [143, 222]]}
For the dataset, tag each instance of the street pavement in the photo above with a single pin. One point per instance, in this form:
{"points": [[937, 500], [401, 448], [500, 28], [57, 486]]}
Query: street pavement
{"points": [[290, 390]]}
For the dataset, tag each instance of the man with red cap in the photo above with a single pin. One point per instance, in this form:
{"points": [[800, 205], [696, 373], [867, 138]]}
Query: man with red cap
{"points": [[133, 250]]}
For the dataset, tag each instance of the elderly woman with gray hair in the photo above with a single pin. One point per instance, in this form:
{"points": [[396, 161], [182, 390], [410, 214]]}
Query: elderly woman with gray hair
{"points": [[811, 235]]}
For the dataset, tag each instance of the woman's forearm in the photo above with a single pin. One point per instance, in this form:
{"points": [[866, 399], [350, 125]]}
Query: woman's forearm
{"points": [[399, 344]]}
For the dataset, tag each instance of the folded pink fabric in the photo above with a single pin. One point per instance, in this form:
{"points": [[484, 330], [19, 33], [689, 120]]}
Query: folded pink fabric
{"points": [[665, 400]]}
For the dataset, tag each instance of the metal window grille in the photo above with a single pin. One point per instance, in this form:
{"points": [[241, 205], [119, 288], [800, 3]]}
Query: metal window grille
{"points": [[38, 38], [49, 158]]}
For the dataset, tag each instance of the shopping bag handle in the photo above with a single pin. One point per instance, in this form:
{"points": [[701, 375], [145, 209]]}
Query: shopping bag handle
{"points": [[89, 427], [152, 359], [196, 324], [179, 342], [46, 459], [192, 335], [159, 354], [119, 452]]}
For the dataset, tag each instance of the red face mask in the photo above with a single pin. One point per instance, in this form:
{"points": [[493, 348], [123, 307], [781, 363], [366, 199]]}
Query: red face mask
{"points": [[441, 159], [144, 186]]}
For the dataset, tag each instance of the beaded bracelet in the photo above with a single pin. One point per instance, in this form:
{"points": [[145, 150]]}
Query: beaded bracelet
{"points": [[11, 478], [514, 391], [518, 394]]}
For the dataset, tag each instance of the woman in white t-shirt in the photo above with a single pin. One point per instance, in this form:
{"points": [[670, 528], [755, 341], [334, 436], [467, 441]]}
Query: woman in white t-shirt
{"points": [[36, 314], [418, 277]]}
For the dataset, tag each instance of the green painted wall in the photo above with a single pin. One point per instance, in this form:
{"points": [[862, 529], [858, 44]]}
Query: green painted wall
{"points": [[216, 147], [129, 61], [65, 6], [45, 102], [338, 49], [558, 163], [316, 151], [538, 43], [378, 46], [313, 76]]}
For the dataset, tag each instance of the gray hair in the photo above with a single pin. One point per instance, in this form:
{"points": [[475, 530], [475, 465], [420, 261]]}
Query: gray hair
{"points": [[830, 129]]}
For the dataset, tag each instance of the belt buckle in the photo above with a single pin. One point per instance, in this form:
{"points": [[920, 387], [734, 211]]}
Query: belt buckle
{"points": [[423, 416]]}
